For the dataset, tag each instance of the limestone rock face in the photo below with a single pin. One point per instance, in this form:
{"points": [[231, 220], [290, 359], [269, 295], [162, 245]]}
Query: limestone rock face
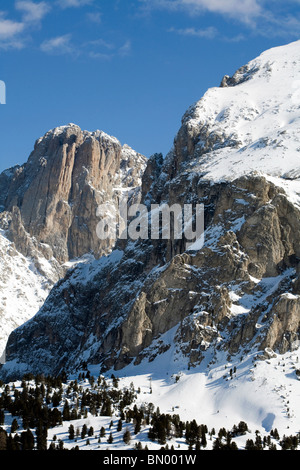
{"points": [[116, 310], [67, 176], [48, 212], [284, 329], [151, 173]]}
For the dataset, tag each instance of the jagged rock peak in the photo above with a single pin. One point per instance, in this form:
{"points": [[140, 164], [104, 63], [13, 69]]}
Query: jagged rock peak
{"points": [[72, 129], [68, 175]]}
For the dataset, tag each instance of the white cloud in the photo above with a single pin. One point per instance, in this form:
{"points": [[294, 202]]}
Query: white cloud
{"points": [[209, 33], [8, 28], [264, 17], [73, 3], [58, 45], [100, 55], [100, 43], [99, 49], [32, 12], [107, 50], [12, 44], [125, 49], [243, 10], [14, 34], [10, 32], [283, 26], [95, 17]]}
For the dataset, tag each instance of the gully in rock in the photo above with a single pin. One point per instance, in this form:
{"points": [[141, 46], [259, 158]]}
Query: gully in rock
{"points": [[155, 223]]}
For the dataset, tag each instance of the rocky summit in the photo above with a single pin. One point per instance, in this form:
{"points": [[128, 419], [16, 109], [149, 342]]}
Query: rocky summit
{"points": [[237, 153], [54, 196]]}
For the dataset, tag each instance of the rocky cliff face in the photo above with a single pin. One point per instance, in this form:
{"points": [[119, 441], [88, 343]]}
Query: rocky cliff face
{"points": [[49, 210], [237, 153], [55, 195]]}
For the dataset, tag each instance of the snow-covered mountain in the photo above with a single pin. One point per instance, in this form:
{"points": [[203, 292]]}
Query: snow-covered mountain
{"points": [[221, 321], [48, 214], [249, 125], [255, 116]]}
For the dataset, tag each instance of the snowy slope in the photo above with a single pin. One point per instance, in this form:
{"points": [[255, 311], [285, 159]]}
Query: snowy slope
{"points": [[25, 284], [258, 120], [257, 395], [263, 394]]}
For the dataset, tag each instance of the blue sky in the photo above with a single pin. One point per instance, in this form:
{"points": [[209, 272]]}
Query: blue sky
{"points": [[129, 68]]}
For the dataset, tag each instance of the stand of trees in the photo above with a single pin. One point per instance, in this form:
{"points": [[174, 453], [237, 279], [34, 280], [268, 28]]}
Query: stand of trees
{"points": [[41, 403]]}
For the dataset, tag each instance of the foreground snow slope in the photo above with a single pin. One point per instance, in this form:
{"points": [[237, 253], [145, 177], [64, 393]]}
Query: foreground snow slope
{"points": [[264, 394]]}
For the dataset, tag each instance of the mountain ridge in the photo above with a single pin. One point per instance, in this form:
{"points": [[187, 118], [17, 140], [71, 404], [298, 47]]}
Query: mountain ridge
{"points": [[137, 301]]}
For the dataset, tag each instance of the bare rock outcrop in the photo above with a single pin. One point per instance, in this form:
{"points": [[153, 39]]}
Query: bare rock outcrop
{"points": [[116, 311], [283, 332]]}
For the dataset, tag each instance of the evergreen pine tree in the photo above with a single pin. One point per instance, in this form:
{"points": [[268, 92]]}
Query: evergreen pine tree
{"points": [[120, 424], [203, 440], [127, 436], [66, 411], [3, 439], [41, 437], [27, 440], [71, 432], [83, 431], [137, 427], [217, 444], [13, 444], [14, 426]]}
